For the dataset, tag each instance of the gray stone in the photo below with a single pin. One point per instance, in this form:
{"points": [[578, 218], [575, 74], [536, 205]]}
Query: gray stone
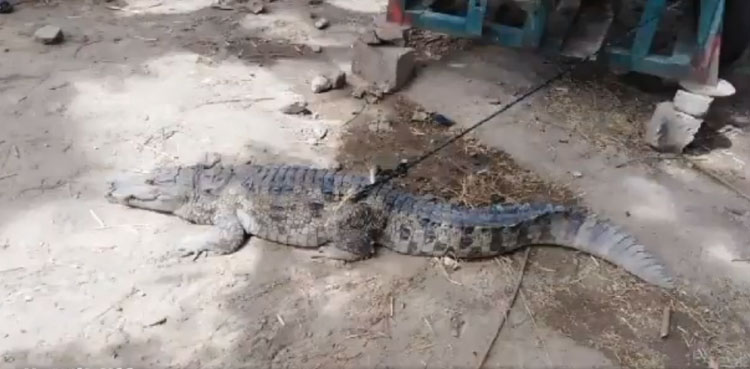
{"points": [[693, 104], [321, 23], [316, 48], [256, 7], [49, 35], [670, 130], [321, 84], [388, 68], [297, 107], [420, 116], [369, 37], [390, 33]]}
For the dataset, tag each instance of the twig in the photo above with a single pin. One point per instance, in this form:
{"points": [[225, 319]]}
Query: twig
{"points": [[429, 325], [665, 320], [78, 49], [96, 218], [741, 260], [280, 319], [229, 101], [8, 176], [505, 313], [718, 179], [357, 114], [392, 309]]}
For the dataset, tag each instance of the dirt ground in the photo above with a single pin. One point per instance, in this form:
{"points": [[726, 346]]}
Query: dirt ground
{"points": [[142, 83]]}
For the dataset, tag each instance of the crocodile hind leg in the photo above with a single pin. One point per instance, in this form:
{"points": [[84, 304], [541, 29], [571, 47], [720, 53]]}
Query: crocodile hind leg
{"points": [[224, 237], [353, 231]]}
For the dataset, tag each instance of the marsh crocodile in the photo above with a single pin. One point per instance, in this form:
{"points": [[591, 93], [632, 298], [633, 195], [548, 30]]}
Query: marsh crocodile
{"points": [[309, 208]]}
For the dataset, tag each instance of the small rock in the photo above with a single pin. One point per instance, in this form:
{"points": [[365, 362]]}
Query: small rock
{"points": [[297, 107], [49, 35], [315, 2], [359, 92], [322, 23], [576, 174], [256, 7], [321, 84], [6, 7], [222, 5], [442, 120], [369, 37], [28, 298], [339, 79], [316, 48], [420, 116]]}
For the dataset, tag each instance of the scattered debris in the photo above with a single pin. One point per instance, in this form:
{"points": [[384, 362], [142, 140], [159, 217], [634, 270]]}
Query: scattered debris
{"points": [[387, 68], [321, 84], [6, 7], [49, 35], [158, 322], [295, 108], [322, 23], [665, 322]]}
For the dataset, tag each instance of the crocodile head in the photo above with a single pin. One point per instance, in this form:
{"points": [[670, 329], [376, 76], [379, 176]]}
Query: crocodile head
{"points": [[164, 190]]}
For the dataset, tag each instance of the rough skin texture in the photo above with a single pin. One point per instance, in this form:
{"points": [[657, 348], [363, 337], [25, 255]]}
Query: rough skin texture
{"points": [[308, 207]]}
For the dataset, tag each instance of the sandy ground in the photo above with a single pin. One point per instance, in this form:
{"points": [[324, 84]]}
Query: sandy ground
{"points": [[140, 83]]}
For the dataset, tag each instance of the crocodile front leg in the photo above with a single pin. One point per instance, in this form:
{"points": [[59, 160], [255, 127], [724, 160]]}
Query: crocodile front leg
{"points": [[225, 236], [353, 229]]}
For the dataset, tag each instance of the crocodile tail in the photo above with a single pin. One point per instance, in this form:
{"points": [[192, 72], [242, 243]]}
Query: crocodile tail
{"points": [[601, 238]]}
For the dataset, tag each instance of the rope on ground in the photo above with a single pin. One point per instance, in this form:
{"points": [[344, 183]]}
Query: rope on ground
{"points": [[404, 168], [506, 312]]}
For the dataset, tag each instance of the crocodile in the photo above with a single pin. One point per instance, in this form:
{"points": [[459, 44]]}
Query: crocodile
{"points": [[309, 207]]}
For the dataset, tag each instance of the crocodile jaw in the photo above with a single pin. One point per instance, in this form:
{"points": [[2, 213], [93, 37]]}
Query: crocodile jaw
{"points": [[144, 192]]}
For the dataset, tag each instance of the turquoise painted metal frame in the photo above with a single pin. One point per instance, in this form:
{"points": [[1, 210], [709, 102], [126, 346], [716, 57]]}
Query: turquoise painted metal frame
{"points": [[691, 57]]}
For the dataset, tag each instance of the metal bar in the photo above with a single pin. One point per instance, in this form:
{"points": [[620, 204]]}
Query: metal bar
{"points": [[648, 25], [475, 12]]}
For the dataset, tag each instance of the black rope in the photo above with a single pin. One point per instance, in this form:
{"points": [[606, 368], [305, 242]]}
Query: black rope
{"points": [[404, 168]]}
